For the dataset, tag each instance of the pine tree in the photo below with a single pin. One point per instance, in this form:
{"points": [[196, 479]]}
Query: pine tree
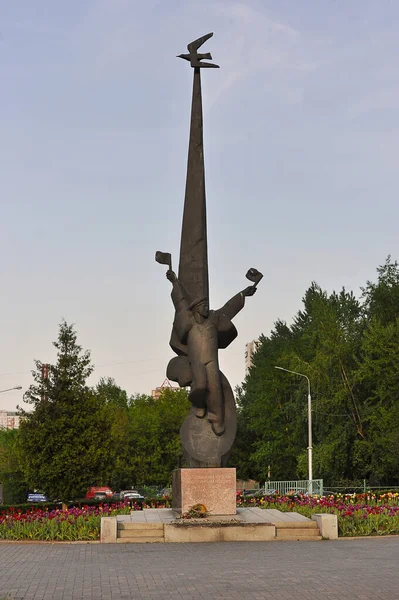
{"points": [[63, 443]]}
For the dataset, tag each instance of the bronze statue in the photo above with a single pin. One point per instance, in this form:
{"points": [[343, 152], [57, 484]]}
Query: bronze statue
{"points": [[198, 333]]}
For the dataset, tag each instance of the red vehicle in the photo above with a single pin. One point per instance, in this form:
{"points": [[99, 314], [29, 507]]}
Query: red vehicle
{"points": [[91, 492]]}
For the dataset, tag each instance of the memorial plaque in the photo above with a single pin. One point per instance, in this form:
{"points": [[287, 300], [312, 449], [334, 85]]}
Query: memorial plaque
{"points": [[216, 488]]}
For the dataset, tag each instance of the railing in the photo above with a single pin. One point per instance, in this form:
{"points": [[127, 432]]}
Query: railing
{"points": [[303, 486]]}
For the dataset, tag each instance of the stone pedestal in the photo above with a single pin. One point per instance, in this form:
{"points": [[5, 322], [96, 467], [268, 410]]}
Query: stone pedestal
{"points": [[109, 532], [214, 487], [328, 525]]}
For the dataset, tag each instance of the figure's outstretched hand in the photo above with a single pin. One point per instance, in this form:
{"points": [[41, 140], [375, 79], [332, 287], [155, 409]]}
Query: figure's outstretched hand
{"points": [[249, 291], [171, 275]]}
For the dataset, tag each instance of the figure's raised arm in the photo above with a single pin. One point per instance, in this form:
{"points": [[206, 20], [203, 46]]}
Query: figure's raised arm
{"points": [[178, 295], [233, 306], [171, 275]]}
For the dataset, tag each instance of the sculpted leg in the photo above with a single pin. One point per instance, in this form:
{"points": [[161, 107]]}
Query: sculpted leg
{"points": [[198, 393], [215, 398]]}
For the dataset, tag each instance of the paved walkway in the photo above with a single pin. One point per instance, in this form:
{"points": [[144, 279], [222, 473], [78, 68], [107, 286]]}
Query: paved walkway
{"points": [[363, 569]]}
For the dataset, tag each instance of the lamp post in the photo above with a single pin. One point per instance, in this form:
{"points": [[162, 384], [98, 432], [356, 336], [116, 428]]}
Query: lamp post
{"points": [[17, 387], [310, 448]]}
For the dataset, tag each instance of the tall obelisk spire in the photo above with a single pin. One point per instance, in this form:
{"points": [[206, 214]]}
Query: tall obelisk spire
{"points": [[209, 429], [193, 264]]}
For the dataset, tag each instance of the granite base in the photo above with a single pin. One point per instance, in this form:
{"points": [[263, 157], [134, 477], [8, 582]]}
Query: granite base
{"points": [[214, 487]]}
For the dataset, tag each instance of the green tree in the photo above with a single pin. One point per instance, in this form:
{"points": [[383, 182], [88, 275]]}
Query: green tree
{"points": [[349, 348], [144, 433], [64, 442], [332, 340], [322, 343], [115, 402], [381, 299], [111, 393], [154, 440], [15, 488], [378, 457], [270, 412]]}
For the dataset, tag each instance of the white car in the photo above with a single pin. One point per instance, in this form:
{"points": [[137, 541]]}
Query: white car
{"points": [[131, 495], [36, 497]]}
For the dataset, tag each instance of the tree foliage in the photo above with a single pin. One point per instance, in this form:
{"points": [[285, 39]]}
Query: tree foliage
{"points": [[63, 443], [13, 481], [349, 349], [76, 437], [145, 435], [154, 440]]}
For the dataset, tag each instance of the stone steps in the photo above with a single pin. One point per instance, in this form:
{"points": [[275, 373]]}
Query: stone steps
{"points": [[140, 533], [128, 525], [299, 531], [159, 526], [301, 538], [296, 525]]}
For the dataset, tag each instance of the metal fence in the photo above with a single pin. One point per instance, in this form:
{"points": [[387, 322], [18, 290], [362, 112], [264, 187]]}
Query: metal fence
{"points": [[303, 486]]}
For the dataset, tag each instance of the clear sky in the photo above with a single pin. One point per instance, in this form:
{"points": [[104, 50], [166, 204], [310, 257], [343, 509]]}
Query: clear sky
{"points": [[301, 150]]}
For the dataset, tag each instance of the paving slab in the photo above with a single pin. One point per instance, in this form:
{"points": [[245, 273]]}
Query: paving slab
{"points": [[268, 515], [244, 514], [277, 516], [350, 569], [151, 515]]}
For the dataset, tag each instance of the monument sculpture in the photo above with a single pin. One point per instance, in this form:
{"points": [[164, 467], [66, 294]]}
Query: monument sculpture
{"points": [[198, 333]]}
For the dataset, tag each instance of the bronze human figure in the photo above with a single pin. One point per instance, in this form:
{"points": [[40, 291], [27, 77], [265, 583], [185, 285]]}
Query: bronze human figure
{"points": [[198, 333]]}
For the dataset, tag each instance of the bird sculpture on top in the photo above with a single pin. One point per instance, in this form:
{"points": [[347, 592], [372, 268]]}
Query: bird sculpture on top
{"points": [[194, 58]]}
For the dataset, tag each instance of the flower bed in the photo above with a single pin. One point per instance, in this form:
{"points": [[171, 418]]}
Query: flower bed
{"points": [[73, 524], [77, 523], [358, 514]]}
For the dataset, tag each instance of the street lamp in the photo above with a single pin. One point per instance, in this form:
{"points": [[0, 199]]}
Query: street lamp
{"points": [[310, 448], [17, 387]]}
